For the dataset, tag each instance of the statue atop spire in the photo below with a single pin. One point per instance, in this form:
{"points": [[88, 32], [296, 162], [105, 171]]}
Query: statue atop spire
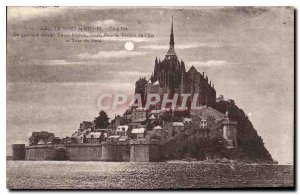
{"points": [[171, 51]]}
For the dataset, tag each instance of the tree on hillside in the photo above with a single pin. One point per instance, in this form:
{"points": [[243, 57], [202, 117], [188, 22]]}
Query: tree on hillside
{"points": [[102, 121], [140, 86]]}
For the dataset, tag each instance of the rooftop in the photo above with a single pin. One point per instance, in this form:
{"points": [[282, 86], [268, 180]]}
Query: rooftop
{"points": [[139, 130], [122, 128], [178, 124], [157, 127]]}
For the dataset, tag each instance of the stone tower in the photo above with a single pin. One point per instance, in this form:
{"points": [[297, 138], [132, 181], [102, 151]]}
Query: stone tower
{"points": [[171, 52], [173, 77]]}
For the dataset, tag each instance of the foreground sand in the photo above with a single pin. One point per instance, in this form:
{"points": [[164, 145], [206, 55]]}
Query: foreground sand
{"points": [[127, 175]]}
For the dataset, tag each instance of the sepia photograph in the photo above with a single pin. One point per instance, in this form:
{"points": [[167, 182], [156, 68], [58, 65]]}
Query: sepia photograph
{"points": [[158, 98]]}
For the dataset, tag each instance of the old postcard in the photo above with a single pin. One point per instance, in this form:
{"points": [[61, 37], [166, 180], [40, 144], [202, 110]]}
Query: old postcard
{"points": [[150, 97]]}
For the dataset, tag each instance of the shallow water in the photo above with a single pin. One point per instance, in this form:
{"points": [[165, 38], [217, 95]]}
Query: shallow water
{"points": [[130, 175]]}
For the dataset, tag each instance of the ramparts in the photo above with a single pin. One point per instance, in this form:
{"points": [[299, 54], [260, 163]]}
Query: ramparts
{"points": [[18, 151], [112, 151], [142, 151], [40, 152]]}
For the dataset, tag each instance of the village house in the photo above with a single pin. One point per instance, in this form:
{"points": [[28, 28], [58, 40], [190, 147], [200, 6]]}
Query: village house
{"points": [[86, 125], [172, 129], [138, 133], [127, 114], [69, 140], [96, 136], [87, 133], [157, 113], [117, 121], [152, 117], [158, 131], [42, 137], [122, 130], [139, 115], [186, 120]]}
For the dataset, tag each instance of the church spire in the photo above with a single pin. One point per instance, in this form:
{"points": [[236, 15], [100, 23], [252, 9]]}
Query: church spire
{"points": [[172, 35], [171, 51]]}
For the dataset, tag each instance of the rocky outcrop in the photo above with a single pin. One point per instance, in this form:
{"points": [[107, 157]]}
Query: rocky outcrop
{"points": [[250, 145]]}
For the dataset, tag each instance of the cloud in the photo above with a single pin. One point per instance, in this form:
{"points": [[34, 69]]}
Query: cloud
{"points": [[134, 39], [133, 73], [110, 54], [208, 63], [105, 23], [112, 86], [98, 83], [185, 46], [27, 13], [57, 62], [154, 47]]}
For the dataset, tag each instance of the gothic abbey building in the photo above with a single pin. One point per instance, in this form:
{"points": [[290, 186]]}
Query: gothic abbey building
{"points": [[170, 76]]}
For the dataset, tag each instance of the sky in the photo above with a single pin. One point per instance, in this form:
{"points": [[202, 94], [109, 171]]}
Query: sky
{"points": [[53, 85]]}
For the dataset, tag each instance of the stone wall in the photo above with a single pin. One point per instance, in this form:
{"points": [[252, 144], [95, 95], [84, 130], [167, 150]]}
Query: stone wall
{"points": [[111, 151], [40, 152], [133, 151], [107, 151], [18, 151], [115, 151], [144, 151], [83, 152], [174, 148]]}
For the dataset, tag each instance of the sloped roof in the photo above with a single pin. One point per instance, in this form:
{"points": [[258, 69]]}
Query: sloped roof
{"points": [[114, 136], [95, 134], [87, 123], [192, 70], [123, 138], [152, 117], [155, 111], [139, 120], [156, 83], [178, 124], [198, 117], [41, 142], [139, 109], [138, 130], [186, 119], [157, 127], [206, 112]]}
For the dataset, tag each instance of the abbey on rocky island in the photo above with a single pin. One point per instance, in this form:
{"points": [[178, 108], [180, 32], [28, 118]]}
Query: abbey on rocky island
{"points": [[171, 77]]}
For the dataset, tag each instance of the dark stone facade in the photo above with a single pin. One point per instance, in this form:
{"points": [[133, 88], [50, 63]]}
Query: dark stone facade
{"points": [[171, 74]]}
